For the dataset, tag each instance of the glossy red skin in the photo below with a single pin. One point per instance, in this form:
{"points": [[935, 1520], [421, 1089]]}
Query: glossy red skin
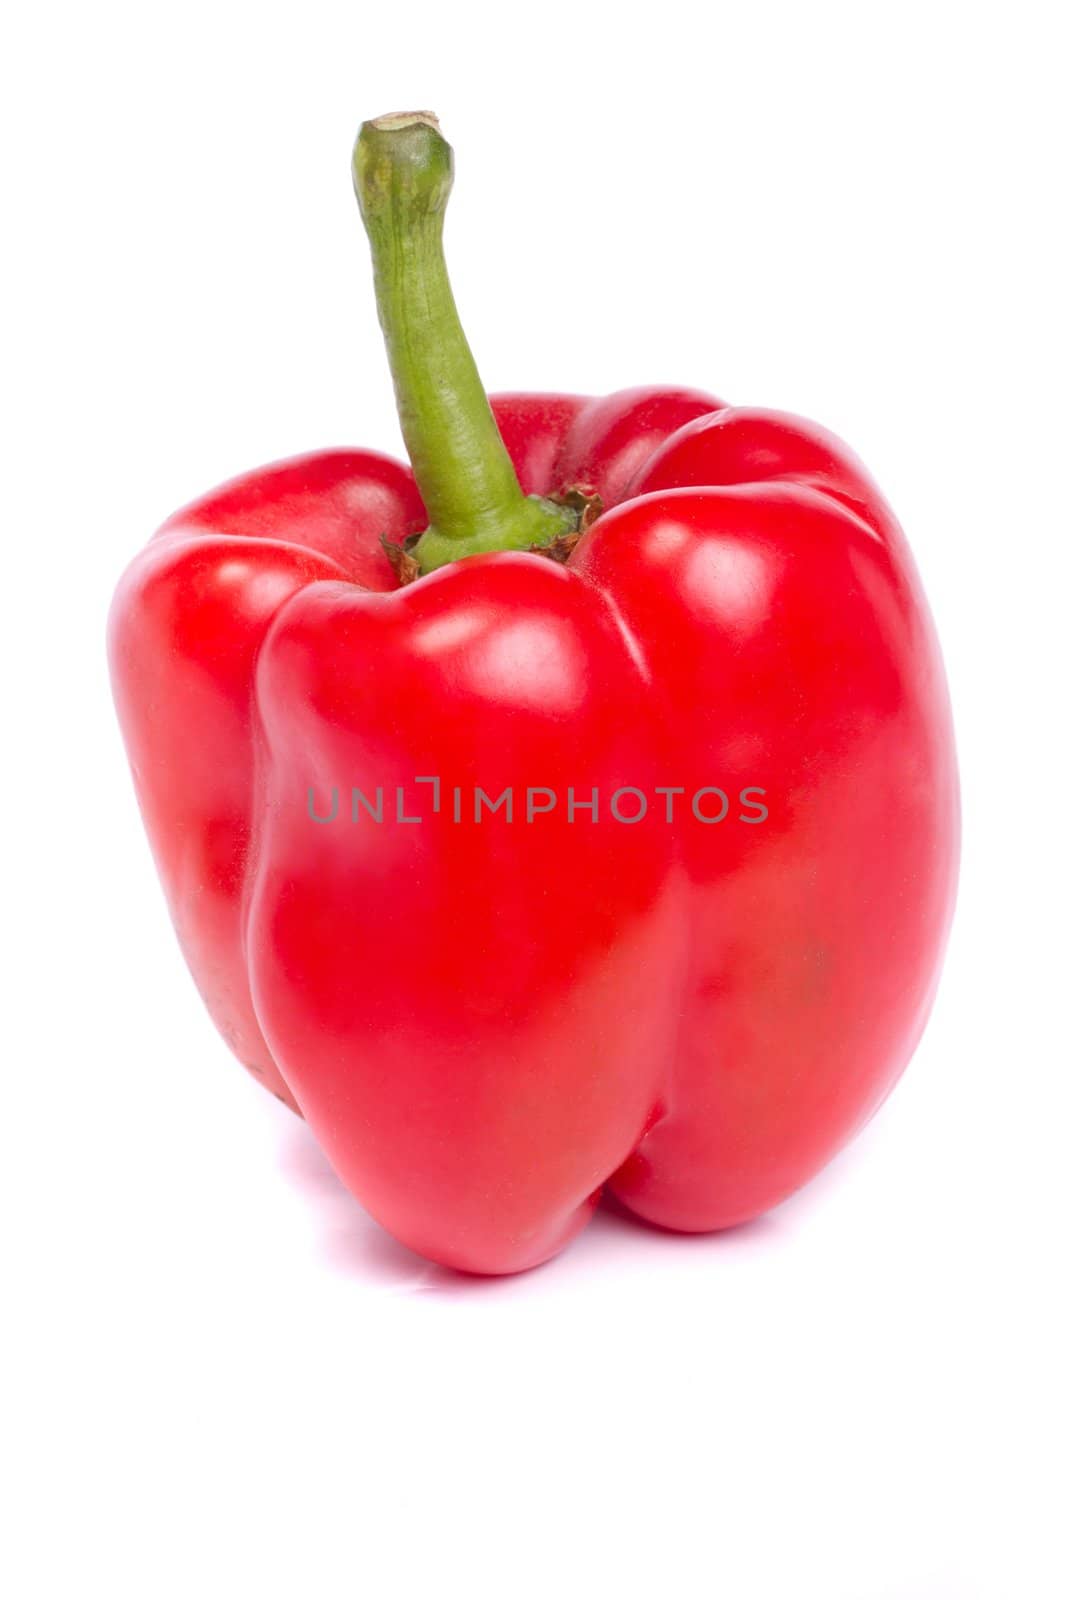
{"points": [[485, 1024]]}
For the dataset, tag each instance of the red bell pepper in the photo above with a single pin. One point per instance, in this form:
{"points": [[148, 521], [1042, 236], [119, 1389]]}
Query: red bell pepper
{"points": [[529, 852]]}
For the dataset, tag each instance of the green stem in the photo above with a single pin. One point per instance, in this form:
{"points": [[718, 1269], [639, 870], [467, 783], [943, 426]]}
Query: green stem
{"points": [[402, 170]]}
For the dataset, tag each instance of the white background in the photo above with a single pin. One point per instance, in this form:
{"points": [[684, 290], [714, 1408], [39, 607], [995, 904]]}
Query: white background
{"points": [[226, 1381]]}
